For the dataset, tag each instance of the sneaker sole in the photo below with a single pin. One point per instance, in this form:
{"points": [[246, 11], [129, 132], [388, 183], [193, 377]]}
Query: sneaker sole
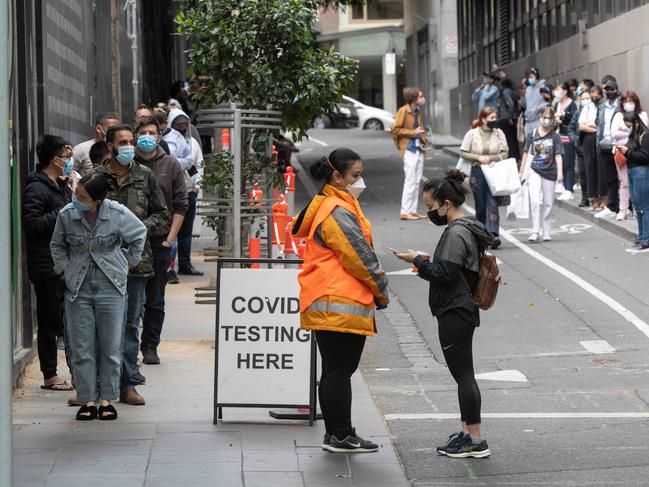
{"points": [[440, 452], [336, 449], [470, 454]]}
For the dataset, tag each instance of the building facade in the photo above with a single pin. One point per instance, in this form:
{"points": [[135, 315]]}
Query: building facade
{"points": [[370, 33], [562, 38]]}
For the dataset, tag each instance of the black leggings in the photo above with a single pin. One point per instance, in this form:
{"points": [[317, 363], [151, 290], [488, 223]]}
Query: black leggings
{"points": [[456, 337], [340, 353]]}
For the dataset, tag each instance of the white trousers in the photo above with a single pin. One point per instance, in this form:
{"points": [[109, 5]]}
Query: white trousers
{"points": [[541, 200], [413, 168]]}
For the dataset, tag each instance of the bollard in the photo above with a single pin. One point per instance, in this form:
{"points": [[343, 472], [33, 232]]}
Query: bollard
{"points": [[256, 194], [289, 184], [255, 250], [280, 215]]}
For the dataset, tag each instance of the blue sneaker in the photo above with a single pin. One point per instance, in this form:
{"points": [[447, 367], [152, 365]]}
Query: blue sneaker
{"points": [[464, 448], [450, 443]]}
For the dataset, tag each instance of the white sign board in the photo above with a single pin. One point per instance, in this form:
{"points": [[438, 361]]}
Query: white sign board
{"points": [[451, 45], [263, 357], [390, 63]]}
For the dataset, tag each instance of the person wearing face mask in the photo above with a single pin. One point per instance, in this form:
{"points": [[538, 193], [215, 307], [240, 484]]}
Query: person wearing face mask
{"points": [[595, 186], [137, 189], [43, 198], [170, 176], [103, 121], [95, 242], [487, 93], [542, 167], [606, 161], [620, 130], [341, 285], [485, 144], [451, 272], [187, 150], [565, 109], [637, 153], [577, 141], [533, 102]]}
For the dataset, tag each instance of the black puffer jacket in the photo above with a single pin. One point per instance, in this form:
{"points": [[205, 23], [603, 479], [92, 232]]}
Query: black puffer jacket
{"points": [[458, 251], [42, 201]]}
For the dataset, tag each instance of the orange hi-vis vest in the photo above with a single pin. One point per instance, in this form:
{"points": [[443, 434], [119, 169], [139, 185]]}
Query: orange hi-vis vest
{"points": [[331, 299]]}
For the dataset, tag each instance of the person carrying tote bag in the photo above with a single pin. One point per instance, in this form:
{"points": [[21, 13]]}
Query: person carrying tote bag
{"points": [[484, 144]]}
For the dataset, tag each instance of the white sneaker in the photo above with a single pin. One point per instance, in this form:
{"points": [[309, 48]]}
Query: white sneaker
{"points": [[566, 196], [621, 216], [605, 213], [533, 238], [547, 238], [559, 188]]}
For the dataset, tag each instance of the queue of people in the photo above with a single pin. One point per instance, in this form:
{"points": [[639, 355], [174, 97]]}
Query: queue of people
{"points": [[100, 220]]}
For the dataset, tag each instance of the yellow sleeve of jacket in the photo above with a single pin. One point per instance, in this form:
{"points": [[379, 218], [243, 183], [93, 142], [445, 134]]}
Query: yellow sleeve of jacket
{"points": [[342, 234]]}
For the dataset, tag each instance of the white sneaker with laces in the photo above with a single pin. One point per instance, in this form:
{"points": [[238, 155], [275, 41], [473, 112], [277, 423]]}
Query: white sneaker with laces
{"points": [[533, 238], [566, 196], [547, 238], [621, 216], [605, 213]]}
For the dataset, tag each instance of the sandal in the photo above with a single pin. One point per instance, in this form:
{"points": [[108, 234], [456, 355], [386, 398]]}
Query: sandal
{"points": [[107, 413], [87, 413], [60, 386]]}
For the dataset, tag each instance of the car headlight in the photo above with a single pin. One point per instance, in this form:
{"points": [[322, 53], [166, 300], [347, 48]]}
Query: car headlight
{"points": [[345, 111]]}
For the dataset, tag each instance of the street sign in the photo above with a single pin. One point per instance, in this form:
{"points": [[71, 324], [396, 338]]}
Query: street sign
{"points": [[390, 63], [451, 45], [263, 357]]}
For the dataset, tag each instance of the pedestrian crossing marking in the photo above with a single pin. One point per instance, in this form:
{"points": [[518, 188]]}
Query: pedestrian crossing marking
{"points": [[597, 346], [503, 376]]}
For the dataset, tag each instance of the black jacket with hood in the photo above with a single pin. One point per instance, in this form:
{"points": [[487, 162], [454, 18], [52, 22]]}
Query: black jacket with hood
{"points": [[42, 201], [458, 251]]}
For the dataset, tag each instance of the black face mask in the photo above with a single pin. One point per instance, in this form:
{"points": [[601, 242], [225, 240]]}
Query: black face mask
{"points": [[437, 219], [492, 124], [611, 95]]}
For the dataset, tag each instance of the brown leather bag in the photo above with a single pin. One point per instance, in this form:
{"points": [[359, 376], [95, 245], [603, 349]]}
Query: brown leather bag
{"points": [[486, 289]]}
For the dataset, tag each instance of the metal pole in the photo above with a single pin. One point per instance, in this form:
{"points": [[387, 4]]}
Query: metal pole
{"points": [[131, 30], [6, 322], [236, 147]]}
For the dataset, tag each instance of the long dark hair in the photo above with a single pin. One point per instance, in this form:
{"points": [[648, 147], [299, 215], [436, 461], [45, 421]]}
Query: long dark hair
{"points": [[450, 187], [340, 160], [98, 184]]}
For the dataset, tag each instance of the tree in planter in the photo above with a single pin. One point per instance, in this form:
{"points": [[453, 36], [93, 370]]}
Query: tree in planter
{"points": [[262, 54]]}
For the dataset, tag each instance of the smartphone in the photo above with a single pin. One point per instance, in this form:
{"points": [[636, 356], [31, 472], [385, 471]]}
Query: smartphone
{"points": [[394, 251]]}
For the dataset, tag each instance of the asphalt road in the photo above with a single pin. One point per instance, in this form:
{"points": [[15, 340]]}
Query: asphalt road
{"points": [[567, 340]]}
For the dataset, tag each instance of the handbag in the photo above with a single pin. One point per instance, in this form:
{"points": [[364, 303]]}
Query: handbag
{"points": [[620, 159], [502, 177], [464, 166], [520, 205]]}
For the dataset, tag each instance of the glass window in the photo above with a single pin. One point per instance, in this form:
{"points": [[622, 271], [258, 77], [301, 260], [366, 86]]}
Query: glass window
{"points": [[358, 12], [385, 9]]}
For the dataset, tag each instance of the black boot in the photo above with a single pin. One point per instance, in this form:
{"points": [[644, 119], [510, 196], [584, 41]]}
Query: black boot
{"points": [[188, 270], [150, 356]]}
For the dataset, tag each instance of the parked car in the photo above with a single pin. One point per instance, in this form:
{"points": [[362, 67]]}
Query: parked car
{"points": [[340, 116], [371, 118]]}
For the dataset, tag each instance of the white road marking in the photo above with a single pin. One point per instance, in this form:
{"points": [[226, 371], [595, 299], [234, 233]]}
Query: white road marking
{"points": [[598, 346], [503, 376], [571, 415], [382, 369], [318, 141]]}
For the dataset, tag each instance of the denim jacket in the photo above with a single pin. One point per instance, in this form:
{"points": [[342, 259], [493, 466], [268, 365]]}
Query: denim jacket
{"points": [[116, 242]]}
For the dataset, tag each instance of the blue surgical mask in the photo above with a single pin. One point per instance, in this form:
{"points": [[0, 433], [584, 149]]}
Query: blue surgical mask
{"points": [[68, 167], [79, 206], [531, 81], [146, 143], [124, 154]]}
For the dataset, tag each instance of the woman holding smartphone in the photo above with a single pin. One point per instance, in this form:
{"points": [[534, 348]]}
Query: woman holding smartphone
{"points": [[451, 273]]}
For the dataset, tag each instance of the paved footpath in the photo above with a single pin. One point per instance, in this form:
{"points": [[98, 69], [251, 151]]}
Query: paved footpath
{"points": [[171, 441]]}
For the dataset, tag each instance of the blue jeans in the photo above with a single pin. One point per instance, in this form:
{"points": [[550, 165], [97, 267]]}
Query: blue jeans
{"points": [[135, 287], [639, 189], [569, 166], [186, 230], [486, 206], [95, 321]]}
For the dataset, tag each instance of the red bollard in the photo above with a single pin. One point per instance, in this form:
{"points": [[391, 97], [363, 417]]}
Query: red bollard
{"points": [[289, 179], [255, 250], [280, 215], [225, 139]]}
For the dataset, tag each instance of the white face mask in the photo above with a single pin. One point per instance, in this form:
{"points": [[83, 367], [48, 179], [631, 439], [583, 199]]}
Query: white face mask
{"points": [[357, 188], [629, 107], [546, 122]]}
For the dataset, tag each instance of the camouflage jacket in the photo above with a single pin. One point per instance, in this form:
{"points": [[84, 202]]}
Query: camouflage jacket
{"points": [[139, 192]]}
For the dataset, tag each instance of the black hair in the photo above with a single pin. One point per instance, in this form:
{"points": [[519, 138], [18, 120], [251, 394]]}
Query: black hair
{"points": [[103, 116], [98, 184], [507, 83], [98, 151], [607, 78], [573, 82], [47, 148], [597, 89], [450, 187], [144, 121], [160, 116], [589, 83], [110, 134], [175, 88], [565, 86], [340, 160]]}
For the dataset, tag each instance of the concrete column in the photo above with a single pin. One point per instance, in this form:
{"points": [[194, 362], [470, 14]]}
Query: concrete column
{"points": [[389, 87]]}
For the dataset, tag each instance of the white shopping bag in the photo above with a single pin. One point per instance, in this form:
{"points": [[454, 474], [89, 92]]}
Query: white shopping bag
{"points": [[520, 205], [464, 166], [502, 177]]}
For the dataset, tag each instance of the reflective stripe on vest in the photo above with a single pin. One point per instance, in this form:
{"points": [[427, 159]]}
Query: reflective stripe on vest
{"points": [[348, 309]]}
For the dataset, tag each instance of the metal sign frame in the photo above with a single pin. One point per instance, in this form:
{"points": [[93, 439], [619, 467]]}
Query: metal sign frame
{"points": [[218, 406]]}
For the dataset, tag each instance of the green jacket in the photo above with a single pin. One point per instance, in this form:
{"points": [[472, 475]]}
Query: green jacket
{"points": [[141, 194]]}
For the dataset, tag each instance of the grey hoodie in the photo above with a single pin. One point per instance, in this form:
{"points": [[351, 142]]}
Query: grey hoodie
{"points": [[458, 251]]}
